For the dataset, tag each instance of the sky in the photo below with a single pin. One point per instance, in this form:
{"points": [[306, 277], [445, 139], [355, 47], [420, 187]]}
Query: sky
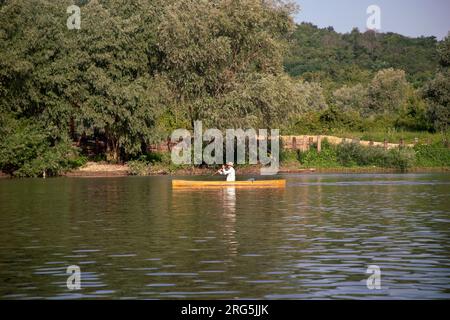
{"points": [[411, 18]]}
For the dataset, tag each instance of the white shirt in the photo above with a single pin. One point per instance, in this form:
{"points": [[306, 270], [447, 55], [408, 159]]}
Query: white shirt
{"points": [[230, 173]]}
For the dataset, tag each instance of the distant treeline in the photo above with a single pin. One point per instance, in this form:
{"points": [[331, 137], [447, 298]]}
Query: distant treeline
{"points": [[372, 81], [347, 59], [136, 70]]}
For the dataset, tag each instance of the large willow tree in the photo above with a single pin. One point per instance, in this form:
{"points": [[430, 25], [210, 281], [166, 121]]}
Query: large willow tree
{"points": [[91, 81], [137, 69], [118, 96], [224, 61]]}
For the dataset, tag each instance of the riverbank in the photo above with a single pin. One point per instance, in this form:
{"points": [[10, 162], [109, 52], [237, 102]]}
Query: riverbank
{"points": [[92, 169], [320, 154], [106, 170]]}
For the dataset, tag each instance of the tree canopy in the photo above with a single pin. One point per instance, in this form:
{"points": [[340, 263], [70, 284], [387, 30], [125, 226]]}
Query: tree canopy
{"points": [[136, 70]]}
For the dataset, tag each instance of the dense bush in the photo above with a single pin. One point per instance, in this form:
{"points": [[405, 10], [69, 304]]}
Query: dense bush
{"points": [[138, 167], [325, 159], [28, 150], [403, 158], [387, 92], [289, 156], [159, 157], [437, 95], [353, 154], [153, 162], [433, 155]]}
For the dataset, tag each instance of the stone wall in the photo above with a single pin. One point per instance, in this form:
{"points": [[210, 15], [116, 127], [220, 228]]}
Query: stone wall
{"points": [[302, 143]]}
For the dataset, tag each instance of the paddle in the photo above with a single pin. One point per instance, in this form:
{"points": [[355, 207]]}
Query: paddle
{"points": [[217, 172]]}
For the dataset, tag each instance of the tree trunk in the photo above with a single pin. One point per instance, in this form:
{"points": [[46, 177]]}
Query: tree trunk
{"points": [[112, 150]]}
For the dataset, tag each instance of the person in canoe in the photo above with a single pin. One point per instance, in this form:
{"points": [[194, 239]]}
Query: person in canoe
{"points": [[228, 170]]}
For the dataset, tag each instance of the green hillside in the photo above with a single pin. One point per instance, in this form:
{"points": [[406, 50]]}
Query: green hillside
{"points": [[137, 70], [324, 54]]}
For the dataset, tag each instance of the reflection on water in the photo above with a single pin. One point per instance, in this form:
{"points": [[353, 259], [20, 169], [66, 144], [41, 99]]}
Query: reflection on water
{"points": [[229, 212], [137, 238], [229, 200]]}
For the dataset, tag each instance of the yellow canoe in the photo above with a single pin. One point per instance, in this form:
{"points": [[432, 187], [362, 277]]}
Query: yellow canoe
{"points": [[224, 184]]}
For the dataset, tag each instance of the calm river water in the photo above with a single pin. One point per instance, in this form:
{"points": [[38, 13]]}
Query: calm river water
{"points": [[135, 237]]}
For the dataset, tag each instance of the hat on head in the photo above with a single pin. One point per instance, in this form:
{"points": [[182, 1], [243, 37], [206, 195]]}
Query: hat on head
{"points": [[231, 164]]}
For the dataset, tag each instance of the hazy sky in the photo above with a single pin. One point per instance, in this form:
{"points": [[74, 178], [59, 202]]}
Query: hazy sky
{"points": [[408, 17]]}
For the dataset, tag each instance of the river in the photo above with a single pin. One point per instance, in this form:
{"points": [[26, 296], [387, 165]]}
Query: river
{"points": [[136, 238]]}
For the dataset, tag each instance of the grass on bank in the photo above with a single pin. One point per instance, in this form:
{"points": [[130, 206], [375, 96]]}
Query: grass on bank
{"points": [[394, 136], [21, 162], [154, 163], [342, 156], [352, 155]]}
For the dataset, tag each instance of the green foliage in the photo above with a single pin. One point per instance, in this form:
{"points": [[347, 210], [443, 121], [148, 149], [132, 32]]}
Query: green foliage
{"points": [[437, 95], [280, 100], [444, 52], [372, 74], [387, 92], [352, 154], [154, 163], [414, 115], [289, 156], [159, 157], [388, 101], [330, 121], [350, 99], [92, 81], [207, 51], [136, 70], [29, 151], [333, 119], [138, 167], [437, 91], [78, 161], [351, 58], [118, 97], [355, 155], [393, 135], [403, 158], [327, 158], [433, 155]]}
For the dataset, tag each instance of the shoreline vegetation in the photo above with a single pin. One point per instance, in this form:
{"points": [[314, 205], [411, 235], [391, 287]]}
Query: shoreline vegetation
{"points": [[351, 157], [109, 170], [92, 170], [314, 157], [136, 71], [95, 170]]}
